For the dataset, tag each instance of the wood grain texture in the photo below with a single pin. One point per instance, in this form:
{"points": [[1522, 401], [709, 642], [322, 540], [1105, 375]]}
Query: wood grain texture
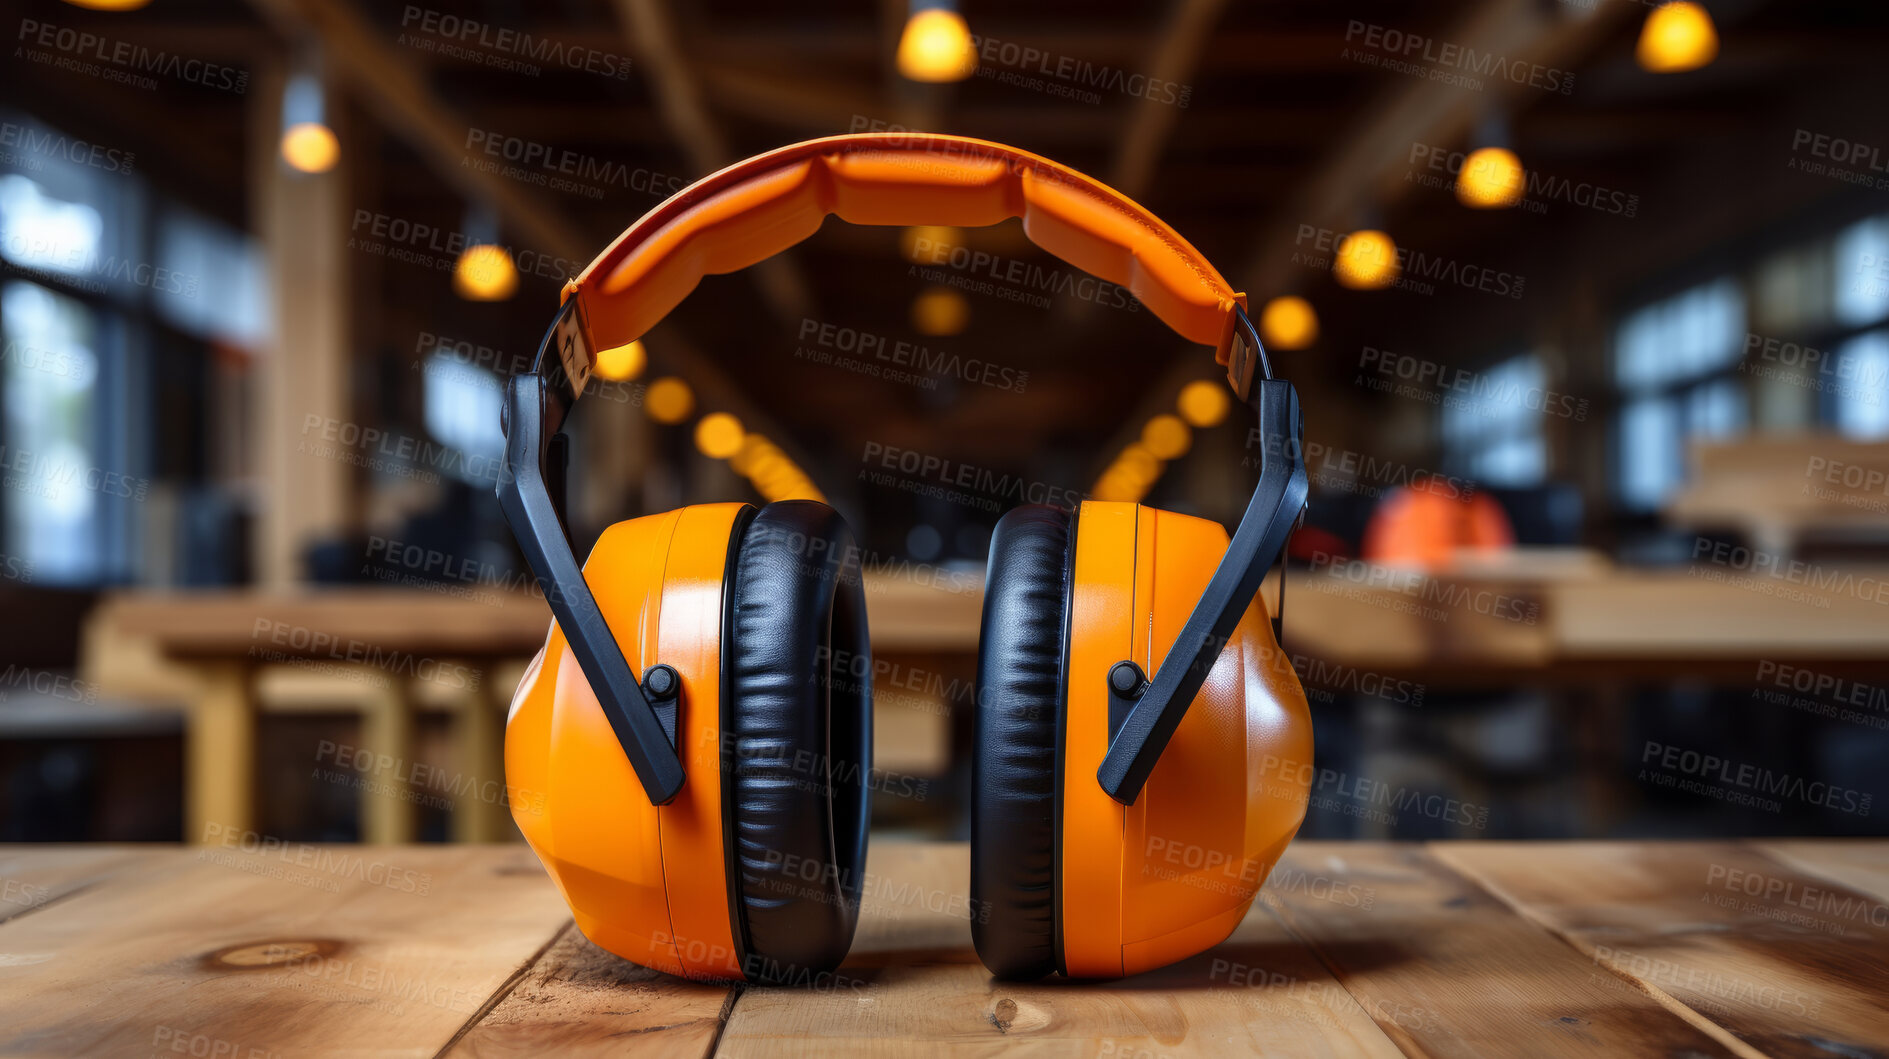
{"points": [[1446, 969], [913, 986], [1860, 865], [916, 615], [292, 950], [579, 1000], [1357, 949], [34, 877], [1790, 964]]}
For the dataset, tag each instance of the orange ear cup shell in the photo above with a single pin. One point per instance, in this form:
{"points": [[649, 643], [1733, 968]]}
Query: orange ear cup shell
{"points": [[1172, 875], [645, 882]]}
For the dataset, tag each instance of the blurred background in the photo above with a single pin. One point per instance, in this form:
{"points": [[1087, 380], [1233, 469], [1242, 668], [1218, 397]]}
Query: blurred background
{"points": [[1587, 301]]}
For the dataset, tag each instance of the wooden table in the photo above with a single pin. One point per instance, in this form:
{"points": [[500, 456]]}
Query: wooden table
{"points": [[382, 652], [1449, 949], [1449, 631]]}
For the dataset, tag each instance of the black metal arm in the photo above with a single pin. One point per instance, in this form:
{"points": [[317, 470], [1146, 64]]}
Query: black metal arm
{"points": [[531, 495], [1278, 500]]}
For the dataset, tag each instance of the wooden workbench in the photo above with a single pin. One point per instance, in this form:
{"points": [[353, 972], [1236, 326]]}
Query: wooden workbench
{"points": [[1450, 631], [1450, 949], [379, 652]]}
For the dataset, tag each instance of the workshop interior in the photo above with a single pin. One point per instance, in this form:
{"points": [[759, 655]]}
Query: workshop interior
{"points": [[1487, 401]]}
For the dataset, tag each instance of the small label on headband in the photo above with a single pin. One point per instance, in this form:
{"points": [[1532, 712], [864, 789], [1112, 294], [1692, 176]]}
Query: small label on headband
{"points": [[1240, 364], [573, 351]]}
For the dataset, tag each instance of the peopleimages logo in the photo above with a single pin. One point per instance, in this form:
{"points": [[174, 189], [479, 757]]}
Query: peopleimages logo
{"points": [[1539, 187], [532, 162], [1074, 73], [1695, 770], [1417, 271], [1452, 387], [49, 144], [897, 358], [85, 52], [456, 36], [1449, 62], [1013, 279], [981, 487]]}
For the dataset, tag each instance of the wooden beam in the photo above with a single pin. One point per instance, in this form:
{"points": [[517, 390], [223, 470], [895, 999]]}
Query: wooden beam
{"points": [[647, 26], [387, 84], [653, 38], [1176, 55], [820, 107], [1365, 168], [1270, 52], [302, 376]]}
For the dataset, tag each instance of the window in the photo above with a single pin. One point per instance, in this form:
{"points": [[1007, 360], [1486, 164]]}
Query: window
{"points": [[1675, 364], [212, 279], [1492, 433], [1860, 396], [69, 238], [40, 231], [97, 289], [1862, 273], [462, 408], [51, 425]]}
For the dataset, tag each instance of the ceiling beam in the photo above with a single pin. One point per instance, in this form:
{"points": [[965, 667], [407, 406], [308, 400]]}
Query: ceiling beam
{"points": [[392, 90], [1365, 170], [1176, 55], [387, 85], [653, 39], [809, 103]]}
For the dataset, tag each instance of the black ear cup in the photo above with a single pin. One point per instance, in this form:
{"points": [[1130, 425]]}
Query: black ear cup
{"points": [[797, 740], [1022, 655]]}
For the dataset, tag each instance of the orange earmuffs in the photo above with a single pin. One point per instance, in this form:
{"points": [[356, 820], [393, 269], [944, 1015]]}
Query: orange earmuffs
{"points": [[700, 767]]}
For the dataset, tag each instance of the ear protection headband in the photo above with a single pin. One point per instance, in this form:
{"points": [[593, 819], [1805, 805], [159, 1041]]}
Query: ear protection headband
{"points": [[758, 587]]}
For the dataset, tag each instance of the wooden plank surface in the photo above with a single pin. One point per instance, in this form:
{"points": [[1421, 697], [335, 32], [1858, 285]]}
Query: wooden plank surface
{"points": [[1467, 628], [907, 612], [290, 950], [1356, 949], [913, 986], [578, 1000], [1859, 865], [1446, 969], [1789, 964], [33, 877]]}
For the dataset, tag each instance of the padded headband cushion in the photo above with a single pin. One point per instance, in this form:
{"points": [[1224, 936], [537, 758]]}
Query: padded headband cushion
{"points": [[800, 740], [759, 207], [1020, 663]]}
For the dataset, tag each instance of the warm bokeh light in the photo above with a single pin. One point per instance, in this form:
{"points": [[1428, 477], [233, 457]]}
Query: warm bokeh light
{"points": [[940, 311], [1118, 486], [719, 435], [621, 363], [1166, 436], [936, 47], [928, 244], [310, 147], [1204, 403], [753, 448], [1288, 322], [668, 400], [485, 273], [773, 474], [109, 5], [766, 464], [1367, 260], [1138, 463], [1677, 37], [1492, 178]]}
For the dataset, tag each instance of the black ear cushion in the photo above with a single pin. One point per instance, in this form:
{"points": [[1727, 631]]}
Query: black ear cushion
{"points": [[1020, 662], [799, 740]]}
